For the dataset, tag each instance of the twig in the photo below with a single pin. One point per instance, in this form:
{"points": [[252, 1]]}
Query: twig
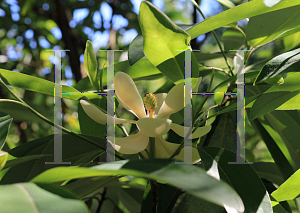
{"points": [[153, 185], [216, 37], [102, 200]]}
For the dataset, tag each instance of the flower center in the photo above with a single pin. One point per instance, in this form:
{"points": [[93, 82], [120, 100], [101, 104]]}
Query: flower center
{"points": [[150, 102]]}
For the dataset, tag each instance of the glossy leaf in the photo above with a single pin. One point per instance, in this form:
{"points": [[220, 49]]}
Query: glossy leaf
{"points": [[285, 96], [290, 189], [17, 161], [291, 41], [270, 101], [135, 51], [226, 3], [3, 159], [75, 150], [268, 171], [285, 62], [87, 125], [241, 177], [90, 64], [5, 121], [164, 170], [32, 198], [141, 70], [233, 39], [271, 3], [246, 10], [20, 112], [283, 164], [34, 84], [283, 22], [158, 30], [283, 128]]}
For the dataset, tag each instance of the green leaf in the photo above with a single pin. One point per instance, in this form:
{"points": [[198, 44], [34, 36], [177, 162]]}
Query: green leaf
{"points": [[241, 177], [3, 159], [267, 27], [5, 121], [283, 164], [164, 170], [20, 112], [87, 125], [285, 131], [291, 41], [164, 42], [271, 3], [17, 161], [290, 189], [233, 39], [74, 150], [226, 3], [224, 132], [141, 70], [246, 10], [34, 84], [32, 198], [90, 64], [268, 171], [135, 51], [285, 62], [284, 96], [270, 101]]}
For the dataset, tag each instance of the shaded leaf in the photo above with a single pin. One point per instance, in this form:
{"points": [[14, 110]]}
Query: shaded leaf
{"points": [[164, 170], [5, 121], [241, 177], [233, 39], [32, 198], [135, 51]]}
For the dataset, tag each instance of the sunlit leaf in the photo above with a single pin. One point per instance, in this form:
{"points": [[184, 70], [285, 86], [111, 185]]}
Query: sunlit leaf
{"points": [[246, 10]]}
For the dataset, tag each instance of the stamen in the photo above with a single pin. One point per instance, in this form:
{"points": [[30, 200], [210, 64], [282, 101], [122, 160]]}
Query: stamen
{"points": [[150, 102]]}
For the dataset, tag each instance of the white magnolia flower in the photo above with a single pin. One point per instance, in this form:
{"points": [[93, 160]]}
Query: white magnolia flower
{"points": [[153, 124]]}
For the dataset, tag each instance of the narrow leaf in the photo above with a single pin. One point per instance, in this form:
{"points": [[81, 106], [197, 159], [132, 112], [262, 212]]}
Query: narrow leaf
{"points": [[200, 184], [5, 121], [246, 10], [90, 64]]}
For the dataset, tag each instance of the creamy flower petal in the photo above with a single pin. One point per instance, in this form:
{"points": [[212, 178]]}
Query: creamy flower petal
{"points": [[128, 94], [130, 145], [160, 100], [200, 131], [173, 102], [97, 115], [154, 127], [124, 106], [164, 149]]}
